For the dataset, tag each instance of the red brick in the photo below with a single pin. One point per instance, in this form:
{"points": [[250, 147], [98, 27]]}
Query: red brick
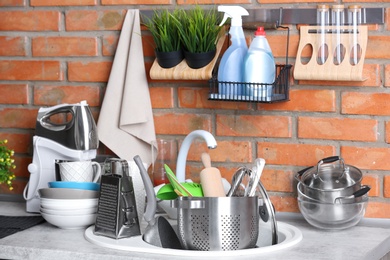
{"points": [[62, 2], [284, 203], [198, 98], [92, 20], [18, 118], [377, 209], [180, 123], [30, 70], [64, 46], [136, 2], [252, 125], [193, 2], [98, 71], [14, 94], [387, 129], [13, 3], [310, 100], [370, 158], [293, 154], [12, 46], [19, 143], [54, 95], [372, 180], [357, 103], [109, 45], [377, 47], [29, 20], [338, 128], [162, 97], [386, 186], [278, 180]]}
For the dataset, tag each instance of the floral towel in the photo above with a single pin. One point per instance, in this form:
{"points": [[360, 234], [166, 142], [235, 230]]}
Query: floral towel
{"points": [[10, 225]]}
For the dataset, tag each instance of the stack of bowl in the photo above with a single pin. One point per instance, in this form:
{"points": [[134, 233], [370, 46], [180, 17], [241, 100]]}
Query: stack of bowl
{"points": [[69, 208], [330, 196]]}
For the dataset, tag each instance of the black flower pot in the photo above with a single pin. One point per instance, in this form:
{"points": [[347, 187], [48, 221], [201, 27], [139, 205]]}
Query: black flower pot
{"points": [[199, 60], [168, 60]]}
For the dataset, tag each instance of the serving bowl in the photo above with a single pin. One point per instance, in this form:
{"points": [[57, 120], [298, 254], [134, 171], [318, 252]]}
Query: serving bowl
{"points": [[66, 193], [68, 204], [75, 185], [332, 215], [69, 212], [70, 221]]}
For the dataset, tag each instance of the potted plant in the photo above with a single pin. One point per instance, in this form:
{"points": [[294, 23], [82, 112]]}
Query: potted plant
{"points": [[164, 30], [199, 33], [6, 165]]}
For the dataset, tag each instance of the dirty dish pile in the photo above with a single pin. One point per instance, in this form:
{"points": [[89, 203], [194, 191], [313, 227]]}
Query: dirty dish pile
{"points": [[330, 196], [68, 208]]}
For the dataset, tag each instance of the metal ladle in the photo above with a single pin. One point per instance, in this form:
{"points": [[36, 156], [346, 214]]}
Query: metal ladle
{"points": [[158, 232]]}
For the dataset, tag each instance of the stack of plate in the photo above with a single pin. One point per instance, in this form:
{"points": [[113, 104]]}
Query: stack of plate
{"points": [[69, 208]]}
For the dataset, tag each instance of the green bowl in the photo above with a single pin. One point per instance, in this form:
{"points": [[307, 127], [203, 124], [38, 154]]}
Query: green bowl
{"points": [[167, 192]]}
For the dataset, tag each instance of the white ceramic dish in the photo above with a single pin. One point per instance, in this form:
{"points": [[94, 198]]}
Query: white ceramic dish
{"points": [[62, 204], [70, 211], [65, 193], [70, 222]]}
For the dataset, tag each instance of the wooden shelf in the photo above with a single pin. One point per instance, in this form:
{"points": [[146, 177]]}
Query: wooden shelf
{"points": [[183, 72]]}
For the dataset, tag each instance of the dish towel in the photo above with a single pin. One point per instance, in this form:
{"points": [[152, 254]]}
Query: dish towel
{"points": [[125, 124]]}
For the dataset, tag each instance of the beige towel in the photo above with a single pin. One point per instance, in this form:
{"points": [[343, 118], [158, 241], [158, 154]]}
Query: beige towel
{"points": [[125, 123]]}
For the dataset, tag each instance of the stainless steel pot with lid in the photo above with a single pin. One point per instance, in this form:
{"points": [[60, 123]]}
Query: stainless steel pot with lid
{"points": [[330, 180]]}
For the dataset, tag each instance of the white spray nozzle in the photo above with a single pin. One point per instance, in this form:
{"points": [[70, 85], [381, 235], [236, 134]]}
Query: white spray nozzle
{"points": [[235, 12]]}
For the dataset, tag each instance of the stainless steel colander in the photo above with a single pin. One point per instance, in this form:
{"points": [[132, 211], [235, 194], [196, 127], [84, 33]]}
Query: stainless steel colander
{"points": [[217, 223]]}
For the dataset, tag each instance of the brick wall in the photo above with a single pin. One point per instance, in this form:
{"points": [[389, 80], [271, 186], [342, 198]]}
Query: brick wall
{"points": [[54, 52]]}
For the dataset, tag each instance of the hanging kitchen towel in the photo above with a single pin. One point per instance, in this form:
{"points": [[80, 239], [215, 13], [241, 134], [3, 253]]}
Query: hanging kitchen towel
{"points": [[125, 123]]}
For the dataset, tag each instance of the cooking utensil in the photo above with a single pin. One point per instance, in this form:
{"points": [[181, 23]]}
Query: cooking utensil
{"points": [[175, 182], [328, 181], [356, 194], [158, 232], [254, 177], [167, 191], [217, 223], [210, 178], [236, 181]]}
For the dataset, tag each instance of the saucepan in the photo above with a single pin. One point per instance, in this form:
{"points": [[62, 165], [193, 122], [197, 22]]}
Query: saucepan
{"points": [[330, 180]]}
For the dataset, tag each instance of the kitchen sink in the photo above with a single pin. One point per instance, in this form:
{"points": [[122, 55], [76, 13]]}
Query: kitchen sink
{"points": [[288, 236]]}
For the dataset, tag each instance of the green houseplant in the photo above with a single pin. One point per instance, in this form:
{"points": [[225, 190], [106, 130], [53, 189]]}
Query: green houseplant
{"points": [[199, 33], [164, 30], [6, 165]]}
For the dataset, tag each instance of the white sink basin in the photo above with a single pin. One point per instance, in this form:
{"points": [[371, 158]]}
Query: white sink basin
{"points": [[288, 236]]}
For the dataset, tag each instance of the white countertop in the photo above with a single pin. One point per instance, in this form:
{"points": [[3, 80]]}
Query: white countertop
{"points": [[370, 240]]}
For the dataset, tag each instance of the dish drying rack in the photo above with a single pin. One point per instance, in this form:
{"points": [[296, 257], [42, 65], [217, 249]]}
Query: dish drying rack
{"points": [[261, 92]]}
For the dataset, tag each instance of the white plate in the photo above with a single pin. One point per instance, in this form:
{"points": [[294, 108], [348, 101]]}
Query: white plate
{"points": [[288, 236], [69, 212], [62, 204], [70, 222]]}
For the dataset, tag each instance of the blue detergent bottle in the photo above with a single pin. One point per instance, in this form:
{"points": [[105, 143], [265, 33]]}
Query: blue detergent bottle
{"points": [[231, 65], [259, 67]]}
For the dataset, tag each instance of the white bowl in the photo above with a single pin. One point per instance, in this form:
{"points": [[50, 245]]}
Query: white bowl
{"points": [[64, 193], [70, 222], [64, 204], [69, 212]]}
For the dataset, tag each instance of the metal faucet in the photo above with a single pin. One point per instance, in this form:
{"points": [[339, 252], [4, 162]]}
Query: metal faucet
{"points": [[185, 147]]}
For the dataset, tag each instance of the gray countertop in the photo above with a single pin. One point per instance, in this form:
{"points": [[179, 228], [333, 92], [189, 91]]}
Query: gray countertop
{"points": [[370, 239]]}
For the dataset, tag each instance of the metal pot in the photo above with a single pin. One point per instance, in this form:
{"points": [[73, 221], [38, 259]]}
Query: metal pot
{"points": [[329, 180]]}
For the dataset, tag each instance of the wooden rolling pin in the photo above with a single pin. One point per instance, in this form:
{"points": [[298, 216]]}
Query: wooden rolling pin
{"points": [[210, 178]]}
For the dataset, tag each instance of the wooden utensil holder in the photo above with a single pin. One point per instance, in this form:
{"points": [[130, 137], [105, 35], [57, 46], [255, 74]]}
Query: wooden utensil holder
{"points": [[329, 70]]}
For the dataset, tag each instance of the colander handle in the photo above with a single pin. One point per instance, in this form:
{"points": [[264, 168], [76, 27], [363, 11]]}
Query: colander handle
{"points": [[188, 204]]}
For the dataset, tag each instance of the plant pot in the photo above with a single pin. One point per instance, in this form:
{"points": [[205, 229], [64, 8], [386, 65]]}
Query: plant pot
{"points": [[169, 59], [199, 60]]}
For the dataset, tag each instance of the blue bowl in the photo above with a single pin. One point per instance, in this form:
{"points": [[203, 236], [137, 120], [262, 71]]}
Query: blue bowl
{"points": [[75, 185]]}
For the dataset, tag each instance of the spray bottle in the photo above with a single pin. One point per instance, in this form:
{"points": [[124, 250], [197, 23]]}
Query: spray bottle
{"points": [[231, 65]]}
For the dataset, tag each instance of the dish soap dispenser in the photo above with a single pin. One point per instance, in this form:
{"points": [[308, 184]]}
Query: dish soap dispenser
{"points": [[259, 67], [231, 65]]}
